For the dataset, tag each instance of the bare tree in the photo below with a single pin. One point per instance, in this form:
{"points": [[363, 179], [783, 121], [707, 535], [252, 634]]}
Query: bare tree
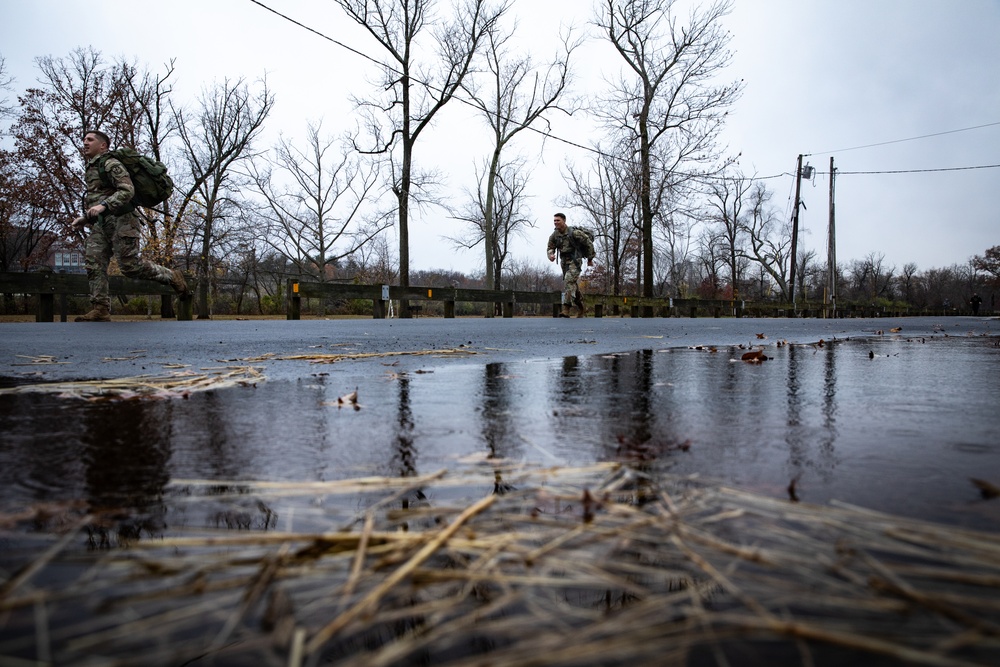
{"points": [[314, 203], [9, 186], [375, 262], [608, 195], [218, 138], [153, 116], [769, 239], [418, 83], [727, 198], [907, 281], [989, 262], [668, 104], [508, 217], [517, 97], [6, 86], [873, 277], [674, 264]]}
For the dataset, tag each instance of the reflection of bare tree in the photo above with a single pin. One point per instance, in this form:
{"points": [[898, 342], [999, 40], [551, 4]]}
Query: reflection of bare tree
{"points": [[496, 411], [125, 454], [497, 424], [632, 417], [406, 453], [568, 395]]}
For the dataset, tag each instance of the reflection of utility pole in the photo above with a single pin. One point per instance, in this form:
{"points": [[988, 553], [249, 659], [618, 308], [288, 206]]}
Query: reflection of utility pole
{"points": [[831, 249], [795, 227]]}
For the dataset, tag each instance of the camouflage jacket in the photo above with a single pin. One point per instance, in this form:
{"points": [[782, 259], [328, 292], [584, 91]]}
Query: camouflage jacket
{"points": [[120, 191], [572, 245]]}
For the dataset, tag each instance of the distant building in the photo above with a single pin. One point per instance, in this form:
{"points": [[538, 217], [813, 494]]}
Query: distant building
{"points": [[26, 249], [65, 258]]}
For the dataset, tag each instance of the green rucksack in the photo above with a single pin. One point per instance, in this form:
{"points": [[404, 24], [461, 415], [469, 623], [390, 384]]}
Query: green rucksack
{"points": [[152, 183], [586, 231]]}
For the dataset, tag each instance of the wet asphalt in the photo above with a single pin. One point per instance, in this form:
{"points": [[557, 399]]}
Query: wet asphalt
{"points": [[65, 351]]}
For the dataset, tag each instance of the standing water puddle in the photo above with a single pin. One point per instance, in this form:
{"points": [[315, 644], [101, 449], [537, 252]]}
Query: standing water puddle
{"points": [[894, 425], [631, 508]]}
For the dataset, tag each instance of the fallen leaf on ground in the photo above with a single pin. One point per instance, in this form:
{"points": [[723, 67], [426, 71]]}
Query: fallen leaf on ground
{"points": [[986, 489]]}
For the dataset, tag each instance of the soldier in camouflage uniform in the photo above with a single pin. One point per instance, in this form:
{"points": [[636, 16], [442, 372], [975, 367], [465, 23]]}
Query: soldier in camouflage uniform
{"points": [[573, 246], [114, 229]]}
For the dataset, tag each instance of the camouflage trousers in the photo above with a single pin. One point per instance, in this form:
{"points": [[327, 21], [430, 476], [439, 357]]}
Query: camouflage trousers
{"points": [[118, 237], [571, 278]]}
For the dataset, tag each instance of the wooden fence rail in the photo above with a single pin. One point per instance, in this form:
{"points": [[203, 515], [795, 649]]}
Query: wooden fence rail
{"points": [[48, 285]]}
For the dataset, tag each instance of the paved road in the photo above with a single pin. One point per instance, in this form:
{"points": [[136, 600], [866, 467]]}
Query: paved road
{"points": [[121, 349]]}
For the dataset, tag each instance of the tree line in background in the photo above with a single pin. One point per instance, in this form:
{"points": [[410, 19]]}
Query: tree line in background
{"points": [[673, 215]]}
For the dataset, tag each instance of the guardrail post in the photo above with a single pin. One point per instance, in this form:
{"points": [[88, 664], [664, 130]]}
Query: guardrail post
{"points": [[598, 310], [507, 309], [46, 308], [185, 308], [293, 307], [380, 307]]}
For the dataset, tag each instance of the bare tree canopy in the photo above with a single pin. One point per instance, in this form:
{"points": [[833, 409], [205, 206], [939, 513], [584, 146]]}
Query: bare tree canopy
{"points": [[220, 135], [514, 96], [313, 201], [418, 81], [667, 104], [607, 194]]}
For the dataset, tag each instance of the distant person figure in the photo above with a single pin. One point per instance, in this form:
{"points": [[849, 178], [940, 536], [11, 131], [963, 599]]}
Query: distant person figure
{"points": [[114, 229], [974, 302], [573, 246]]}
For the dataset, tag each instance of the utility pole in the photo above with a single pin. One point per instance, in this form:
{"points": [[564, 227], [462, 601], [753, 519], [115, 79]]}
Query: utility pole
{"points": [[831, 248], [795, 228]]}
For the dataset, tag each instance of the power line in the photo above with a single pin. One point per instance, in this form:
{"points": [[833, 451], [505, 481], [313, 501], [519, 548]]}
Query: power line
{"points": [[318, 33], [918, 171], [899, 141], [908, 171]]}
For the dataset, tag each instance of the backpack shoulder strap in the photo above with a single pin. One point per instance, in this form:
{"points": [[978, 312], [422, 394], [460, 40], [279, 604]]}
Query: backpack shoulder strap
{"points": [[102, 170]]}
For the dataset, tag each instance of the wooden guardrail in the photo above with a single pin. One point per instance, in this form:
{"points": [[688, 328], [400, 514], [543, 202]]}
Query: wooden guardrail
{"points": [[600, 305], [48, 285], [603, 304], [381, 295]]}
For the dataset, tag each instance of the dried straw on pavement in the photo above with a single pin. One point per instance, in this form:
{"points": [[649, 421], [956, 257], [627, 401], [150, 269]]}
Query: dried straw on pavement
{"points": [[172, 385], [595, 565]]}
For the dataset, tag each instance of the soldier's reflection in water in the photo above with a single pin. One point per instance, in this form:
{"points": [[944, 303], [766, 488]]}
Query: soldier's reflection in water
{"points": [[126, 449]]}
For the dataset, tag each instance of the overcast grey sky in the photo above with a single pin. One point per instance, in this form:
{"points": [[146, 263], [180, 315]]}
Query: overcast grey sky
{"points": [[858, 80]]}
